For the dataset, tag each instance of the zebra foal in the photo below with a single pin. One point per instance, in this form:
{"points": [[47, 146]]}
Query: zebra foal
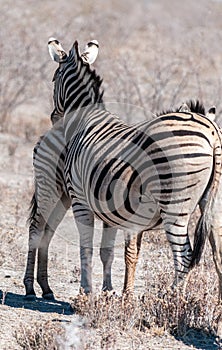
{"points": [[138, 177]]}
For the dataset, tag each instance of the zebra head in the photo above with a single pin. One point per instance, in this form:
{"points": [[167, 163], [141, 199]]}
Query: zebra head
{"points": [[76, 85]]}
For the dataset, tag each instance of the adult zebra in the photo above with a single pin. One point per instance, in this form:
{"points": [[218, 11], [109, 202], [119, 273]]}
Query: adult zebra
{"points": [[137, 177]]}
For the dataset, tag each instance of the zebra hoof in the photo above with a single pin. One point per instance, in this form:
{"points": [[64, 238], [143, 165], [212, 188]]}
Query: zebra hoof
{"points": [[48, 296]]}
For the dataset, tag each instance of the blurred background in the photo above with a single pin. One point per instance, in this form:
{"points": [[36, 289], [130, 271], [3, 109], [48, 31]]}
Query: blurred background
{"points": [[154, 55]]}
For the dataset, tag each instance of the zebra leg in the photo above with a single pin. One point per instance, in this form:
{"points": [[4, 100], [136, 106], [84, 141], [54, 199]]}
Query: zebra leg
{"points": [[53, 222], [216, 245], [132, 249], [42, 271], [85, 224], [178, 238], [215, 239], [107, 254], [36, 231]]}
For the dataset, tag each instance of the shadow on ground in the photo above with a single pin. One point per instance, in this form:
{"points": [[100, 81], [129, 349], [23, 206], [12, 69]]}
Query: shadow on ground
{"points": [[39, 304], [199, 339]]}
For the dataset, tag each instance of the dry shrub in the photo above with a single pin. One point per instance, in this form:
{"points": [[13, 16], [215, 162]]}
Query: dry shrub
{"points": [[160, 309], [52, 335], [107, 310], [170, 310], [101, 321], [39, 336]]}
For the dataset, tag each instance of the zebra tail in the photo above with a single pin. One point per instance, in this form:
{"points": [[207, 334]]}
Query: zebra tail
{"points": [[32, 209], [203, 227], [200, 237]]}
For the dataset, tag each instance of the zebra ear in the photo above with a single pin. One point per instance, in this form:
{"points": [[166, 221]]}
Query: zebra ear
{"points": [[91, 51], [211, 113], [56, 51]]}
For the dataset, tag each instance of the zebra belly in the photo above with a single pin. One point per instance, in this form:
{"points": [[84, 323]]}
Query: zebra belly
{"points": [[134, 213]]}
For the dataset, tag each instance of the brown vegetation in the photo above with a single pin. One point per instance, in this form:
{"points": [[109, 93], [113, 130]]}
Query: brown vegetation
{"points": [[107, 319]]}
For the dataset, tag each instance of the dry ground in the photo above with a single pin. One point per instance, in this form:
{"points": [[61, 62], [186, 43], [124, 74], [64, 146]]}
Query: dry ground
{"points": [[37, 325]]}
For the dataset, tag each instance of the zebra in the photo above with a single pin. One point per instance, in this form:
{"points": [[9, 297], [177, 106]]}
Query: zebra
{"points": [[50, 200], [48, 163], [138, 177]]}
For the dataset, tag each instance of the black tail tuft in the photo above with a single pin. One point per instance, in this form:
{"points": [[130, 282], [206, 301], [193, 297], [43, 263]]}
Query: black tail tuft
{"points": [[200, 236], [32, 208]]}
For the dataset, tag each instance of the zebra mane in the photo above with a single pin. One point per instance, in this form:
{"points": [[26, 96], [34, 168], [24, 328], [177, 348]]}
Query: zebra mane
{"points": [[195, 106], [74, 52]]}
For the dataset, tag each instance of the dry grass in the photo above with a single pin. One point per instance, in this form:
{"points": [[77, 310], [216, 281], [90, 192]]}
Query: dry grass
{"points": [[106, 318], [39, 336], [160, 308]]}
